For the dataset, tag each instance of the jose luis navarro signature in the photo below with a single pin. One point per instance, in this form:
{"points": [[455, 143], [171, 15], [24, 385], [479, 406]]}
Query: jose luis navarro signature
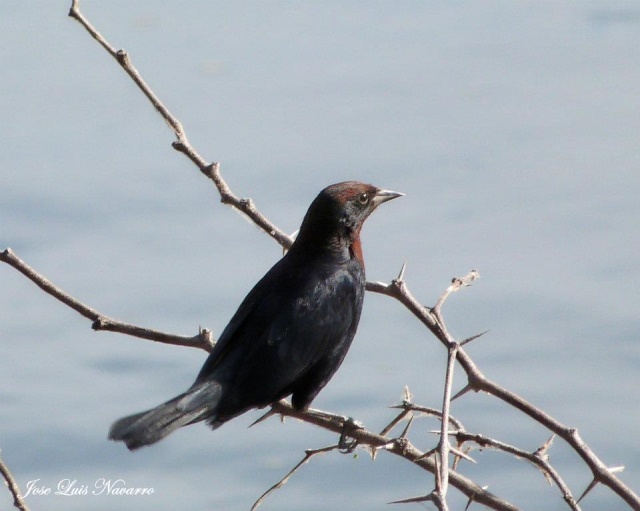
{"points": [[71, 488]]}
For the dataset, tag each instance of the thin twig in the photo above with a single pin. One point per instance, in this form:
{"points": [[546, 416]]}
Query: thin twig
{"points": [[456, 284], [309, 453]]}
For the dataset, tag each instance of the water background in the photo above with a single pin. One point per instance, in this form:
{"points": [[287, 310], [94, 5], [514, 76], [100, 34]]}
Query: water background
{"points": [[513, 129]]}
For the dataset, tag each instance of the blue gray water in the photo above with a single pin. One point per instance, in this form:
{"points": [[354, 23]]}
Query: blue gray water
{"points": [[512, 127]]}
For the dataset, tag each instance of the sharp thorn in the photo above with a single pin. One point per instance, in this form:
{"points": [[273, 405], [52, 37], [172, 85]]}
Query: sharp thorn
{"points": [[406, 428], [425, 455], [462, 392], [263, 417], [541, 451], [473, 338], [423, 498], [591, 486], [462, 454]]}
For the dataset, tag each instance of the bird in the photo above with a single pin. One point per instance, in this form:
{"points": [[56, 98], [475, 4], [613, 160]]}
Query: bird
{"points": [[292, 331]]}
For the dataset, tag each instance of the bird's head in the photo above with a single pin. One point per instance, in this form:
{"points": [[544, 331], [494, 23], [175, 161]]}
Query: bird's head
{"points": [[336, 215]]}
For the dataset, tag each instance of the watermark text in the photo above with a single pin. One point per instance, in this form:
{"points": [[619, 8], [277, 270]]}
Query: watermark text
{"points": [[74, 488]]}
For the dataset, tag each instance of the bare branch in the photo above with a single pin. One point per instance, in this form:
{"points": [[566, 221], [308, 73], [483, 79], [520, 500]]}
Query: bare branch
{"points": [[202, 340], [18, 500], [182, 144]]}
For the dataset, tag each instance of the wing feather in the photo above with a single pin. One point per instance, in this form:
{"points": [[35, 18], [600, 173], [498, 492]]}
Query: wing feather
{"points": [[280, 334]]}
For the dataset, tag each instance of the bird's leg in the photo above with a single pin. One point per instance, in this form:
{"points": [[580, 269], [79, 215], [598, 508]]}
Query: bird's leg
{"points": [[345, 445]]}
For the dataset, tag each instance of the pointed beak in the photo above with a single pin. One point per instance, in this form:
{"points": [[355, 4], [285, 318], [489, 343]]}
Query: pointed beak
{"points": [[384, 196]]}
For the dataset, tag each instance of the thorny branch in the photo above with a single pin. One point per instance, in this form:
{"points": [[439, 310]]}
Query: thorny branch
{"points": [[400, 446], [478, 382], [538, 458], [397, 289]]}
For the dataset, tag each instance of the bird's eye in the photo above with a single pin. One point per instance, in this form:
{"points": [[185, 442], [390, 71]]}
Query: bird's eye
{"points": [[363, 198]]}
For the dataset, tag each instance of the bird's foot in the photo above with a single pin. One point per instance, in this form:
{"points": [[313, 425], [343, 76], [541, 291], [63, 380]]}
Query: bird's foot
{"points": [[345, 444]]}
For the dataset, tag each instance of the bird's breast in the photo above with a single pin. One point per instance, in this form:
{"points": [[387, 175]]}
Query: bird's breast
{"points": [[355, 250]]}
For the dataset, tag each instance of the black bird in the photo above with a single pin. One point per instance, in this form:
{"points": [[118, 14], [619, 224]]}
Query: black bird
{"points": [[291, 332]]}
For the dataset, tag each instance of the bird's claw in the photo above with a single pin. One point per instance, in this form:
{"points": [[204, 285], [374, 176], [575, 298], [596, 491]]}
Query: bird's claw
{"points": [[346, 446]]}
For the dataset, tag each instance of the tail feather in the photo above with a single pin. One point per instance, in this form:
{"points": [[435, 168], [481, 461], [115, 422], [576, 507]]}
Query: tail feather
{"points": [[149, 427]]}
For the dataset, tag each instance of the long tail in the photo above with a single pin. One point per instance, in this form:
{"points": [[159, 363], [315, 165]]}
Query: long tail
{"points": [[149, 427]]}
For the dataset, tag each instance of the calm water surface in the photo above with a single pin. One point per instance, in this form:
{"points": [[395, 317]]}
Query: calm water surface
{"points": [[511, 126]]}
